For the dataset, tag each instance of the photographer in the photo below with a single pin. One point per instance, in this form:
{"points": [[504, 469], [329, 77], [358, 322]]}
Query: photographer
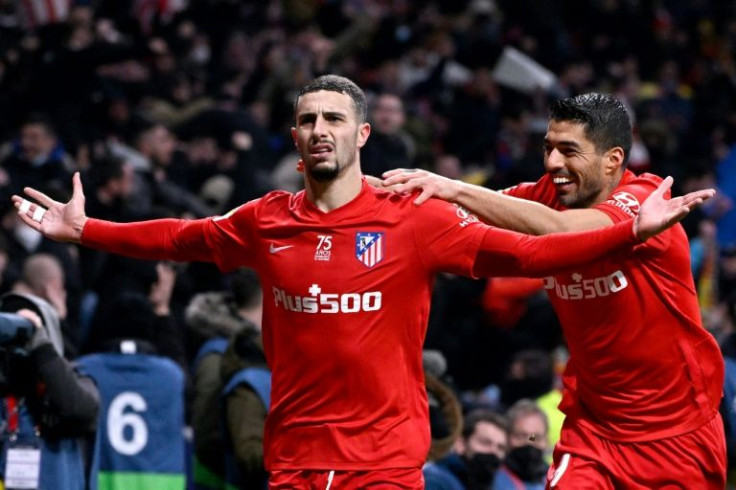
{"points": [[46, 405]]}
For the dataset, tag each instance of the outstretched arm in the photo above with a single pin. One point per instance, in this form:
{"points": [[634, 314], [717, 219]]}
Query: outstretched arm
{"points": [[505, 253], [505, 211], [164, 239], [494, 207]]}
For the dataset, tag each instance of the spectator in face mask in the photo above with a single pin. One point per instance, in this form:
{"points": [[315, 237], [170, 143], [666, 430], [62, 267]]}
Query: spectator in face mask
{"points": [[531, 375], [476, 456], [524, 465]]}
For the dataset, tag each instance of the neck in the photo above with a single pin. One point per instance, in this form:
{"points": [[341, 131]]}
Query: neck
{"points": [[328, 196], [603, 195]]}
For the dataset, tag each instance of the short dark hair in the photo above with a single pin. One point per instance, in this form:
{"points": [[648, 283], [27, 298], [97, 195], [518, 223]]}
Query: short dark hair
{"points": [[43, 120], [336, 83], [105, 169], [604, 118], [473, 418]]}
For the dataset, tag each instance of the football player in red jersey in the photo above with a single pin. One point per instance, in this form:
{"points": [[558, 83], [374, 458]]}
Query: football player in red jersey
{"points": [[347, 271], [644, 379]]}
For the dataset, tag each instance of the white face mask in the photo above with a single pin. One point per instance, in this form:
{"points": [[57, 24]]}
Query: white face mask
{"points": [[27, 237]]}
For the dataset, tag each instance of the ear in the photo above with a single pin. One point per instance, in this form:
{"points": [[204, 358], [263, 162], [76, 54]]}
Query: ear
{"points": [[293, 137], [363, 132], [459, 446], [614, 160]]}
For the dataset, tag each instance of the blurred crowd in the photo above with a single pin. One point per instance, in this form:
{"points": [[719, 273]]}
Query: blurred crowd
{"points": [[183, 109]]}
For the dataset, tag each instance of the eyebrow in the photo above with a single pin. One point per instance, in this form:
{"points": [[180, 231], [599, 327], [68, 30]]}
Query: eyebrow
{"points": [[572, 144], [312, 114], [334, 113]]}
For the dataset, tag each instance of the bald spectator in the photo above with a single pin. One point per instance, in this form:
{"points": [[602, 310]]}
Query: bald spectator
{"points": [[43, 276]]}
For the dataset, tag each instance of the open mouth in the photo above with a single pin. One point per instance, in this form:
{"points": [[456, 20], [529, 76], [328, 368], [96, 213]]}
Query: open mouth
{"points": [[320, 152], [563, 182]]}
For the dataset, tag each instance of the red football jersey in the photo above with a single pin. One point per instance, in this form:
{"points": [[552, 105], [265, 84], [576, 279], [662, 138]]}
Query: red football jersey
{"points": [[346, 305], [642, 367], [348, 292]]}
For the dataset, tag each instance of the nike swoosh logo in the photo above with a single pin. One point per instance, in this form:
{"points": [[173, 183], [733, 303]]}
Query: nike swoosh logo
{"points": [[274, 250]]}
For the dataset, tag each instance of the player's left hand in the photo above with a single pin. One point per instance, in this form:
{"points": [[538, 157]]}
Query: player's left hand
{"points": [[657, 213]]}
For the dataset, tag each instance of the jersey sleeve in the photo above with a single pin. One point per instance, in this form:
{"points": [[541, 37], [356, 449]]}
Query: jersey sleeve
{"points": [[234, 236], [223, 240], [507, 253], [446, 237], [525, 190], [625, 202], [541, 191]]}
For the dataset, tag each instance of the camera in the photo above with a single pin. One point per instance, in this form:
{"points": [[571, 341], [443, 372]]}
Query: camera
{"points": [[16, 373], [15, 330]]}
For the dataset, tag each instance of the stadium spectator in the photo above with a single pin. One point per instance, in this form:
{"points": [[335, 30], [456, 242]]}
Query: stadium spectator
{"points": [[37, 158], [476, 455], [524, 465], [389, 146]]}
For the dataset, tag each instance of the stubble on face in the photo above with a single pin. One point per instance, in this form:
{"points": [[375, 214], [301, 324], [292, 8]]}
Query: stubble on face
{"points": [[327, 171], [590, 185], [341, 142], [583, 165], [324, 173]]}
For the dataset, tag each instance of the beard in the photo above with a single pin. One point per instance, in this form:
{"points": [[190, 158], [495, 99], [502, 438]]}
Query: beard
{"points": [[586, 196], [592, 185], [577, 201], [324, 173]]}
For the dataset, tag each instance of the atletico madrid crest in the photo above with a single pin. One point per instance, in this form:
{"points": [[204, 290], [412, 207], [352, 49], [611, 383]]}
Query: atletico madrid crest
{"points": [[370, 247]]}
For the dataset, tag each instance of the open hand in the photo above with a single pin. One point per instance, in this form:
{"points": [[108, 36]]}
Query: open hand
{"points": [[55, 220], [657, 213]]}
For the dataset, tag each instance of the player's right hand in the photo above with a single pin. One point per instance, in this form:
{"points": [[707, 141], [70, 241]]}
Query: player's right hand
{"points": [[403, 180], [55, 220]]}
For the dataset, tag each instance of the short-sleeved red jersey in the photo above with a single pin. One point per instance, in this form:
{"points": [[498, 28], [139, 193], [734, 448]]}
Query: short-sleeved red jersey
{"points": [[642, 367]]}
